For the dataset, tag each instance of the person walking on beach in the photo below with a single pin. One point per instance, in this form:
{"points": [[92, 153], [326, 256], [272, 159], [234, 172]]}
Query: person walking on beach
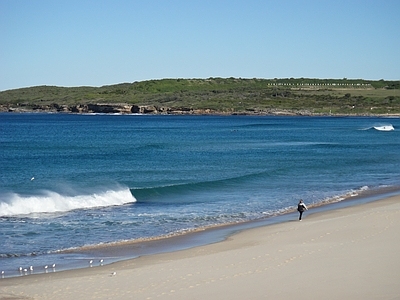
{"points": [[301, 207]]}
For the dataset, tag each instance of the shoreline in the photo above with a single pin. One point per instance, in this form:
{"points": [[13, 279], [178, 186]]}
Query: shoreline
{"points": [[356, 197], [71, 259], [335, 252], [188, 112]]}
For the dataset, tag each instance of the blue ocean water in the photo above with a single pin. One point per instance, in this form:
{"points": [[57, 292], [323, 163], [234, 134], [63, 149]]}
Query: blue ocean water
{"points": [[70, 181]]}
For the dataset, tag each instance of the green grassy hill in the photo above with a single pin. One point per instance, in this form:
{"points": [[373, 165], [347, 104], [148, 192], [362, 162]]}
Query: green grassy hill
{"points": [[225, 95]]}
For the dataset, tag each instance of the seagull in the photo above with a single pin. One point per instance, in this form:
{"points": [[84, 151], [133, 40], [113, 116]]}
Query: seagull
{"points": [[31, 268], [2, 274], [101, 262], [33, 178], [113, 274], [54, 266], [90, 263]]}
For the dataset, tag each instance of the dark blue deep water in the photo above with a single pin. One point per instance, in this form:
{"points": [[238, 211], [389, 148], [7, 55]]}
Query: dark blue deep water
{"points": [[68, 181]]}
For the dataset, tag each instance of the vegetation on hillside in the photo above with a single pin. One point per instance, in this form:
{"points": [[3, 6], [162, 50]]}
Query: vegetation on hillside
{"points": [[227, 95]]}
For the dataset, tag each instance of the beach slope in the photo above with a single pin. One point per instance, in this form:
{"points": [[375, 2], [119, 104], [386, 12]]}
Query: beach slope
{"points": [[348, 253]]}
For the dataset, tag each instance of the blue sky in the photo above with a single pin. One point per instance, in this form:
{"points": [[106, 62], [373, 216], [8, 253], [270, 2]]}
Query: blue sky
{"points": [[97, 42]]}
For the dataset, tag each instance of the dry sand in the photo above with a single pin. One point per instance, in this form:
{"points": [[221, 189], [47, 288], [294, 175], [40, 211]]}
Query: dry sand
{"points": [[349, 253]]}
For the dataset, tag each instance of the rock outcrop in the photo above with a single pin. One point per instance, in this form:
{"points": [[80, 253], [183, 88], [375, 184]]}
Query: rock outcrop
{"points": [[104, 108]]}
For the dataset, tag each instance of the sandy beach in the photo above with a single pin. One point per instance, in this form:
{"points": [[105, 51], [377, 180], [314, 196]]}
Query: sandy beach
{"points": [[348, 253]]}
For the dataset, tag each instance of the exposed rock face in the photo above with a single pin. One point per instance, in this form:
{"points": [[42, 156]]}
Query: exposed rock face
{"points": [[103, 109]]}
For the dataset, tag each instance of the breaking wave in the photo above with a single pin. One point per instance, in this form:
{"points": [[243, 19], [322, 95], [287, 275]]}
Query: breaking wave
{"points": [[52, 202]]}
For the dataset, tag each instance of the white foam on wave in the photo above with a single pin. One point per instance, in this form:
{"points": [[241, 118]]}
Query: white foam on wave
{"points": [[344, 196], [53, 202]]}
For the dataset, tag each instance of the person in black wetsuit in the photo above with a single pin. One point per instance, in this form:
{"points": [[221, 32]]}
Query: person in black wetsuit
{"points": [[301, 207]]}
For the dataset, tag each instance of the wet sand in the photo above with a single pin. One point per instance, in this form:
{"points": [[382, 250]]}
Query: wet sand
{"points": [[344, 253]]}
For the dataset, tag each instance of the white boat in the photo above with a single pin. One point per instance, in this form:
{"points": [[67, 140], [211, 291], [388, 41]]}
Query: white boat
{"points": [[384, 128]]}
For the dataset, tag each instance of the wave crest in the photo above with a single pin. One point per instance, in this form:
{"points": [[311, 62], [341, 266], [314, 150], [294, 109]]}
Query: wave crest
{"points": [[52, 202]]}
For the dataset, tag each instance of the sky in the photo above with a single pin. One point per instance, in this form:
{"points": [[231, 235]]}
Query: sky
{"points": [[104, 42]]}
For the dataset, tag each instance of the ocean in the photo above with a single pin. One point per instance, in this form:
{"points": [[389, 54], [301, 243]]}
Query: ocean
{"points": [[69, 183]]}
